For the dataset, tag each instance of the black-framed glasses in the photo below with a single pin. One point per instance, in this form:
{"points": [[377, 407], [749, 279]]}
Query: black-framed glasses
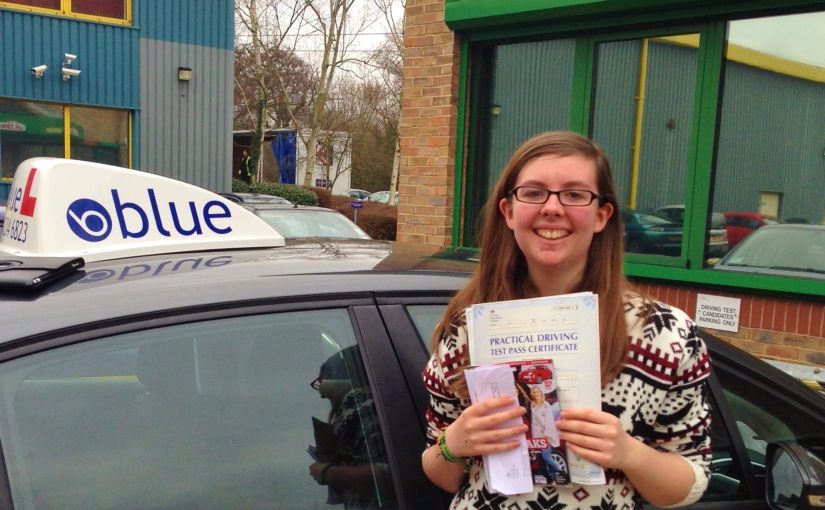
{"points": [[316, 383], [568, 197]]}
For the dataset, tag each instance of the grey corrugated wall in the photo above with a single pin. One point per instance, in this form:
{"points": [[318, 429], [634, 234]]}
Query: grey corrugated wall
{"points": [[533, 85], [671, 86], [671, 82], [778, 145], [614, 107], [186, 128]]}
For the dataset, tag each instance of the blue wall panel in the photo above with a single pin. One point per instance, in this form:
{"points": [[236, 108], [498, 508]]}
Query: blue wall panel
{"points": [[107, 59], [199, 22]]}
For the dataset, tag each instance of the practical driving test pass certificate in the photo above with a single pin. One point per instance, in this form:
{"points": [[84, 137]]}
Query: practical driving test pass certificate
{"points": [[564, 328]]}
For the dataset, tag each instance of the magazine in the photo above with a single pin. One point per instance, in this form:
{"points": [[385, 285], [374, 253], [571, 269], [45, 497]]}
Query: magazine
{"points": [[538, 393]]}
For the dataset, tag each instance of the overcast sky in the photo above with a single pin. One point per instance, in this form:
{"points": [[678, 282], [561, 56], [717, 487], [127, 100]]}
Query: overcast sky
{"points": [[800, 37]]}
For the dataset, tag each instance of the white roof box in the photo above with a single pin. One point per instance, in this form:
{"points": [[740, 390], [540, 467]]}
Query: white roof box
{"points": [[62, 207]]}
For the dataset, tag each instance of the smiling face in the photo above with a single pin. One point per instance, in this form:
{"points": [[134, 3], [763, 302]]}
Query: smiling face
{"points": [[555, 239]]}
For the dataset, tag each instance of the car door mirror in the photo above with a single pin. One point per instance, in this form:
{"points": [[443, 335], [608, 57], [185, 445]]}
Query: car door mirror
{"points": [[795, 477]]}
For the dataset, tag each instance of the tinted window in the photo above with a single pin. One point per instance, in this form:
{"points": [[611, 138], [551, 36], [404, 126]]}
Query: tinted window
{"points": [[105, 8], [45, 4], [761, 417], [212, 415], [425, 318]]}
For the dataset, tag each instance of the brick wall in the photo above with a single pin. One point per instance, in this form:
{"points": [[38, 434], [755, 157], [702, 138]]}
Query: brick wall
{"points": [[429, 96], [776, 328]]}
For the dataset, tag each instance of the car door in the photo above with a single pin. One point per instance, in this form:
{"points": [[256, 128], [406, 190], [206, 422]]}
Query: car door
{"points": [[234, 406], [754, 404]]}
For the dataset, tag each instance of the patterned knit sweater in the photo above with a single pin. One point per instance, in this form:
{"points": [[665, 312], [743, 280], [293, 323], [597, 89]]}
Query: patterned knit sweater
{"points": [[659, 397]]}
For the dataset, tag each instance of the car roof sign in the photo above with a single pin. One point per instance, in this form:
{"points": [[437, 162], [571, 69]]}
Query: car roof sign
{"points": [[67, 208]]}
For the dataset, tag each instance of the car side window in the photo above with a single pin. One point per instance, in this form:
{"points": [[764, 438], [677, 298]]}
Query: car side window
{"points": [[761, 417], [726, 475], [230, 413], [425, 318]]}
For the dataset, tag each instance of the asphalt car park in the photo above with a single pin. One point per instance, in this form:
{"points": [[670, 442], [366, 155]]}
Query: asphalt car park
{"points": [[188, 373]]}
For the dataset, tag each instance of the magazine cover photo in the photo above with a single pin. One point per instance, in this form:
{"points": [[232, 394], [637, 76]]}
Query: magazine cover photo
{"points": [[536, 384]]}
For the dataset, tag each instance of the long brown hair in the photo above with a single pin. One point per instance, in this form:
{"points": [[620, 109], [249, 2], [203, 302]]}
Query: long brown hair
{"points": [[502, 271]]}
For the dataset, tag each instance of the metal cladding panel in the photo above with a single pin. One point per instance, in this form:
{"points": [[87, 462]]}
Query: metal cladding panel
{"points": [[185, 128], [202, 22], [532, 89], [666, 127], [666, 122], [107, 59], [770, 139], [616, 85]]}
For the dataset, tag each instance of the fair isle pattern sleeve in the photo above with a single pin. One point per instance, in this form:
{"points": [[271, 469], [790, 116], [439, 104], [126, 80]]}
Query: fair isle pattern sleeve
{"points": [[440, 372]]}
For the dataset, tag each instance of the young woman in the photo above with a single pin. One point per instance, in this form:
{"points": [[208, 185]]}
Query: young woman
{"points": [[553, 228]]}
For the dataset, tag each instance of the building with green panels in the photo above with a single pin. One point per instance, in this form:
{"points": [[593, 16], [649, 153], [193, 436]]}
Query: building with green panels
{"points": [[705, 109], [144, 84]]}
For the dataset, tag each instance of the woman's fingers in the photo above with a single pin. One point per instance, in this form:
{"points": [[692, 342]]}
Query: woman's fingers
{"points": [[585, 428], [482, 428], [586, 441], [595, 435], [488, 406]]}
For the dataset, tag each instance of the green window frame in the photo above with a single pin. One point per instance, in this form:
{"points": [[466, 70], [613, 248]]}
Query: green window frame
{"points": [[711, 25]]}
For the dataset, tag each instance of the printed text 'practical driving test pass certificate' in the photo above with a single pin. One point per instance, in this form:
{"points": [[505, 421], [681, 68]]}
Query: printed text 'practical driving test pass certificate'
{"points": [[563, 328]]}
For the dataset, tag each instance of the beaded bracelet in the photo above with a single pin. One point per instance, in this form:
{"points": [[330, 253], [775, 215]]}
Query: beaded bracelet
{"points": [[442, 445]]}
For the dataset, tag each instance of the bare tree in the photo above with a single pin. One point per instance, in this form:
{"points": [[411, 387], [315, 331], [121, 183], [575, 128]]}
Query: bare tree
{"points": [[389, 58], [273, 86], [301, 92], [246, 12], [336, 23]]}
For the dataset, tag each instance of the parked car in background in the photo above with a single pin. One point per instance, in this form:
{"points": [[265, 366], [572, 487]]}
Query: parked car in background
{"points": [[646, 232], [739, 225], [296, 221], [255, 198], [359, 194], [2, 218], [716, 239], [383, 197], [782, 249]]}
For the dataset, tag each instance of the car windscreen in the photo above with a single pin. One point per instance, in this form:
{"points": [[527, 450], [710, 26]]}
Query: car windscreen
{"points": [[784, 249], [297, 223]]}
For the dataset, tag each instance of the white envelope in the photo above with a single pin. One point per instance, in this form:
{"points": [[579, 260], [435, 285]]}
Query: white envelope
{"points": [[507, 472]]}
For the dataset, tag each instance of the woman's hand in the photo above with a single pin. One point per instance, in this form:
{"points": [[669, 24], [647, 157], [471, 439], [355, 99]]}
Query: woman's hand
{"points": [[480, 429], [316, 469], [598, 437]]}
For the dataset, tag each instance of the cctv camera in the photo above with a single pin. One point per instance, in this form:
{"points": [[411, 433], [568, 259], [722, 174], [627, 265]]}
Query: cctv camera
{"points": [[69, 57], [69, 73], [38, 71]]}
